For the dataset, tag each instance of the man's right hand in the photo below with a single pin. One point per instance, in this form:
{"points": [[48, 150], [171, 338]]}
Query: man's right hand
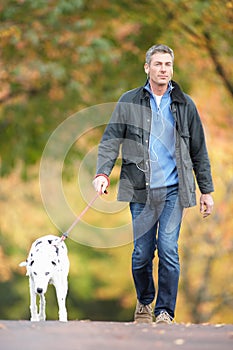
{"points": [[100, 183]]}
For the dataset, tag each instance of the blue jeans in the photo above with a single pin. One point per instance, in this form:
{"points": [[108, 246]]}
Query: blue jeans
{"points": [[156, 225]]}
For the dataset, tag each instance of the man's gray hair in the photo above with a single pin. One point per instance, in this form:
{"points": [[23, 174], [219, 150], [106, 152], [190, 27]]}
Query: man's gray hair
{"points": [[158, 48]]}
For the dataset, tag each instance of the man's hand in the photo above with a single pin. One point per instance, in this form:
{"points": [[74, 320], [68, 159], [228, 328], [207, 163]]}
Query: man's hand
{"points": [[206, 204], [100, 183]]}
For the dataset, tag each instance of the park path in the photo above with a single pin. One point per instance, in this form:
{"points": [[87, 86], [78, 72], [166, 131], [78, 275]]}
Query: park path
{"points": [[88, 335]]}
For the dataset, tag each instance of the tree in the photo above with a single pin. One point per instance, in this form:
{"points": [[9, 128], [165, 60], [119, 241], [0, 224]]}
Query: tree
{"points": [[56, 60]]}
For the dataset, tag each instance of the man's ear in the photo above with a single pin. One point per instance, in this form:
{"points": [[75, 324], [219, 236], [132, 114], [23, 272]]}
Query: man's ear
{"points": [[146, 68]]}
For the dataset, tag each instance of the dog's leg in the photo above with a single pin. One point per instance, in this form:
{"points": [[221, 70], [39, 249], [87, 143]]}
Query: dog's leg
{"points": [[33, 305], [42, 315], [61, 291]]}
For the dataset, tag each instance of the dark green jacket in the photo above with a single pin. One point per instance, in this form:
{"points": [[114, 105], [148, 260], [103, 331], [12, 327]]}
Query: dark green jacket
{"points": [[129, 132]]}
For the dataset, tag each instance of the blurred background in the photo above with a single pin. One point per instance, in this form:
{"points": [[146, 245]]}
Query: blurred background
{"points": [[58, 57]]}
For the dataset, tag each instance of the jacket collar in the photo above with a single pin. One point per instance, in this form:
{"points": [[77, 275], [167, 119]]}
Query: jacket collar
{"points": [[177, 94]]}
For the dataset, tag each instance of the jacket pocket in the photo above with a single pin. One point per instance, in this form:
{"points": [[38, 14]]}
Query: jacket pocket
{"points": [[132, 175], [133, 150]]}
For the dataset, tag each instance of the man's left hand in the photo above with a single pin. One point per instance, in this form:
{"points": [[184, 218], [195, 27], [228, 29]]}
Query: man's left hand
{"points": [[206, 204]]}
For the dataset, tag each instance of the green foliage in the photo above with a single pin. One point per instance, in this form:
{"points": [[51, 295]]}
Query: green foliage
{"points": [[60, 58]]}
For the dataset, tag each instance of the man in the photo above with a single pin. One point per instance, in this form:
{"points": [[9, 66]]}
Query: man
{"points": [[163, 143]]}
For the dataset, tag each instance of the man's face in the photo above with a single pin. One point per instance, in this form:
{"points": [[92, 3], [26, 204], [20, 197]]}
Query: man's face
{"points": [[160, 69]]}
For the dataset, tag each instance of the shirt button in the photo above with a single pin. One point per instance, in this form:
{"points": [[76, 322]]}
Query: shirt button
{"points": [[147, 184], [146, 141]]}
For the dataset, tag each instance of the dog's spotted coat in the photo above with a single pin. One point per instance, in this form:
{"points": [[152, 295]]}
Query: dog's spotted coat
{"points": [[47, 263]]}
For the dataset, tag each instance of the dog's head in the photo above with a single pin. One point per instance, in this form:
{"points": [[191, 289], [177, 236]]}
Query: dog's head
{"points": [[41, 272]]}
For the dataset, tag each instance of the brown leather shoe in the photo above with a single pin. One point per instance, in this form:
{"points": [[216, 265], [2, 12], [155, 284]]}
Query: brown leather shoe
{"points": [[143, 313]]}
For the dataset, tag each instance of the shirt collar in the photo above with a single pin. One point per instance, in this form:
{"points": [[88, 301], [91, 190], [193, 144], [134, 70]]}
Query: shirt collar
{"points": [[169, 88]]}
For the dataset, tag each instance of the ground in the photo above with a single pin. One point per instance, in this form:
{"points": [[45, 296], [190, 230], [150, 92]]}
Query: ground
{"points": [[88, 335]]}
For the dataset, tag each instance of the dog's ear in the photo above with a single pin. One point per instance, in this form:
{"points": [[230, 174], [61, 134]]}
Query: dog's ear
{"points": [[24, 263]]}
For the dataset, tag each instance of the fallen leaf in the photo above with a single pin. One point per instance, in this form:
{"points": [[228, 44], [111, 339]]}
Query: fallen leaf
{"points": [[179, 341]]}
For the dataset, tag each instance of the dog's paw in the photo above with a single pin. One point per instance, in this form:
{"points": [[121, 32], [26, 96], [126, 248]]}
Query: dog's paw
{"points": [[62, 314], [35, 319], [42, 317]]}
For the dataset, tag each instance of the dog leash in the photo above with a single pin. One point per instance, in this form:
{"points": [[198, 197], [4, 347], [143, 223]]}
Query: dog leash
{"points": [[65, 234]]}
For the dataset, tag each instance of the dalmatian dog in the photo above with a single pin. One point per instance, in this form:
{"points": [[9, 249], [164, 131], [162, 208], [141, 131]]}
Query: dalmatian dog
{"points": [[47, 263]]}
